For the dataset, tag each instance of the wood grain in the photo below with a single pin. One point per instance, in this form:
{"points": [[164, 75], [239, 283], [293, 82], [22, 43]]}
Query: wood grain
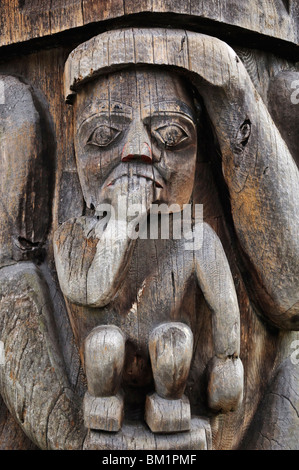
{"points": [[166, 415], [25, 165], [139, 437], [104, 360], [283, 106], [247, 159], [33, 382], [28, 20], [103, 413], [268, 416]]}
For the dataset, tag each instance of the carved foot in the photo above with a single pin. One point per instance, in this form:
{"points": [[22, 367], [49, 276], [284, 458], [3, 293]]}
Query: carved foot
{"points": [[225, 387], [170, 348], [103, 413], [104, 361], [167, 416]]}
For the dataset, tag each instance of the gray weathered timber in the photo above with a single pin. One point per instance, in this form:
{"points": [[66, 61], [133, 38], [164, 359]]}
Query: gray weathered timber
{"points": [[225, 384], [283, 105], [275, 426], [104, 356], [158, 115], [275, 18], [33, 382], [198, 438], [103, 413], [104, 360], [253, 151], [136, 170], [25, 173], [167, 416], [170, 348]]}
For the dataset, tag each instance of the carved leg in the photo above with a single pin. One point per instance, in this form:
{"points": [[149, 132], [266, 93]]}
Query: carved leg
{"points": [[104, 361], [170, 347]]}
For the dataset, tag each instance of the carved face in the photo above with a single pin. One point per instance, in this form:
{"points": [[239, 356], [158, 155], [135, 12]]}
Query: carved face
{"points": [[135, 133]]}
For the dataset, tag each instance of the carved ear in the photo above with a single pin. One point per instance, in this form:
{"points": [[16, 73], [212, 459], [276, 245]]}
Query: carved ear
{"points": [[25, 172]]}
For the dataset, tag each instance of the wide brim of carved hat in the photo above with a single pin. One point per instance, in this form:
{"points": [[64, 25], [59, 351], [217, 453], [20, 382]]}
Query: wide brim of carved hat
{"points": [[200, 55]]}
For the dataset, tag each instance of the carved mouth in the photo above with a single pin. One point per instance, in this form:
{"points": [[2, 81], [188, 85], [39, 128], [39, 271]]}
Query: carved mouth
{"points": [[135, 171], [138, 175]]}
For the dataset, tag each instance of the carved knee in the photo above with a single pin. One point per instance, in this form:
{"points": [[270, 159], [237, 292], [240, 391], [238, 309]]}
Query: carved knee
{"points": [[170, 348], [104, 361]]}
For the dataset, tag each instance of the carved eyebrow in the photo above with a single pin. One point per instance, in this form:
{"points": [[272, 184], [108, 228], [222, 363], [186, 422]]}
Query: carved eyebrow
{"points": [[104, 114], [171, 107], [106, 108]]}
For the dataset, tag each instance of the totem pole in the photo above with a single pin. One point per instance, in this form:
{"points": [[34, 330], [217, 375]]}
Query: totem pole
{"points": [[149, 241]]}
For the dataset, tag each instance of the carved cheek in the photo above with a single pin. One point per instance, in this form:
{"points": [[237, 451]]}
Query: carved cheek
{"points": [[182, 162], [94, 165], [180, 168]]}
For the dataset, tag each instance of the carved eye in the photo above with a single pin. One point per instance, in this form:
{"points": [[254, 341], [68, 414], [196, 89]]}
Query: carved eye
{"points": [[171, 135], [103, 136]]}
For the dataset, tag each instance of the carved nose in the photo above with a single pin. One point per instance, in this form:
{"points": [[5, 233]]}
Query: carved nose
{"points": [[144, 157], [137, 147]]}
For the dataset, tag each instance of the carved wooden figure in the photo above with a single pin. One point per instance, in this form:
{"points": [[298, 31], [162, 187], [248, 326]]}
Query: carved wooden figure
{"points": [[172, 315], [136, 139]]}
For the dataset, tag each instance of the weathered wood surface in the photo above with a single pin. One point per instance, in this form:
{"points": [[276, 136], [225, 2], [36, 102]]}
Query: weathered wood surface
{"points": [[128, 102], [167, 416], [103, 413], [33, 380], [143, 54], [104, 360], [22, 20], [104, 357], [25, 169], [198, 438], [11, 435], [225, 387], [27, 151], [170, 348], [265, 353], [275, 225], [276, 291], [275, 426], [283, 89]]}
